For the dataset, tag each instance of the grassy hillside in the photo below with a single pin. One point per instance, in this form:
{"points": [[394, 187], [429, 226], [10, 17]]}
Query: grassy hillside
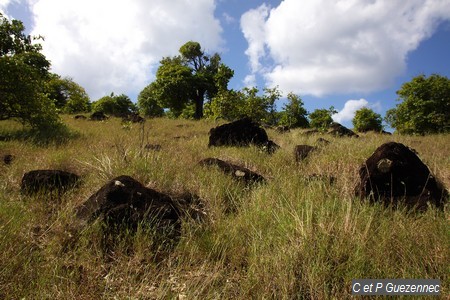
{"points": [[288, 239]]}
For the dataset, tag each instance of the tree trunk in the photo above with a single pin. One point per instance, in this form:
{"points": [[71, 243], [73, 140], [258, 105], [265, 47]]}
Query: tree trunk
{"points": [[199, 104]]}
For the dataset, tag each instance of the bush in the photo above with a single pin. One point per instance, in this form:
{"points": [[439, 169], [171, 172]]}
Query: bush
{"points": [[425, 106], [321, 118], [118, 106], [367, 120]]}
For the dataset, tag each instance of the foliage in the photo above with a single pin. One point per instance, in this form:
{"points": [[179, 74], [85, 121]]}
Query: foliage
{"points": [[227, 105], [189, 78], [294, 114], [425, 106], [148, 102], [321, 118], [367, 120], [261, 108], [119, 106], [68, 96], [24, 72], [292, 238], [231, 105]]}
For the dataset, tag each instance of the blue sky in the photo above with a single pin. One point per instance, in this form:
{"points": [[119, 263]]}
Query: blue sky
{"points": [[347, 53]]}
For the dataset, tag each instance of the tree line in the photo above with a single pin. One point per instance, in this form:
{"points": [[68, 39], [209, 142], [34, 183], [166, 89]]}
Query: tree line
{"points": [[192, 85]]}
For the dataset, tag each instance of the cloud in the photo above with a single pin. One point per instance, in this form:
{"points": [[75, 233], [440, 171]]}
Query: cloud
{"points": [[228, 18], [115, 46], [349, 110], [250, 80], [320, 47], [252, 25]]}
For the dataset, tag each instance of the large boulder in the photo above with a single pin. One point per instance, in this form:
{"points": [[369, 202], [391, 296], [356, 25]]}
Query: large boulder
{"points": [[48, 181], [339, 130], [395, 174], [236, 171], [123, 201], [302, 151], [98, 116], [7, 159], [133, 118], [241, 133]]}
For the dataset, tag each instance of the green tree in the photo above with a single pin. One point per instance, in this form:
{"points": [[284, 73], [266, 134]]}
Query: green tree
{"points": [[118, 106], [260, 108], [227, 105], [321, 118], [366, 119], [24, 72], [68, 96], [148, 102], [425, 106], [294, 113], [190, 78]]}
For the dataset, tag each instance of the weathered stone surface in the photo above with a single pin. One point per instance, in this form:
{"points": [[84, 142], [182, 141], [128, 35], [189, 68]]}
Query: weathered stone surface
{"points": [[236, 171], [7, 159], [48, 180], [302, 151], [282, 129], [98, 116], [339, 130], [133, 118], [322, 141], [241, 133], [395, 174], [153, 147], [125, 201]]}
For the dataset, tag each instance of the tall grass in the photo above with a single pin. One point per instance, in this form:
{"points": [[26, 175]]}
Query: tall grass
{"points": [[290, 238]]}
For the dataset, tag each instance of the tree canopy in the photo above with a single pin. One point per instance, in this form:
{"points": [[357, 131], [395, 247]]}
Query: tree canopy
{"points": [[115, 105], [294, 113], [24, 72], [148, 102], [367, 120], [189, 78], [68, 96], [425, 106], [321, 118]]}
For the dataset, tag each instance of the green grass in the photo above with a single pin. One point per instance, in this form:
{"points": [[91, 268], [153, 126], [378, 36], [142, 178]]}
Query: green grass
{"points": [[286, 239]]}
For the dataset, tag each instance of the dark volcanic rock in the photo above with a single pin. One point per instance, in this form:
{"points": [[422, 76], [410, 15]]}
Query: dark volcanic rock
{"points": [[394, 174], [322, 141], [236, 171], [80, 117], [240, 133], [282, 129], [48, 180], [7, 159], [154, 147], [133, 118], [340, 130], [302, 151], [98, 116], [123, 201]]}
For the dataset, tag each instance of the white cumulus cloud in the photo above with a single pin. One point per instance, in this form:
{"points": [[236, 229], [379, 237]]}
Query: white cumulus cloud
{"points": [[349, 110], [115, 46], [320, 47]]}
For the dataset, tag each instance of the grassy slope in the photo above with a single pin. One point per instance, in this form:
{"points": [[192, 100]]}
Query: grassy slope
{"points": [[287, 239]]}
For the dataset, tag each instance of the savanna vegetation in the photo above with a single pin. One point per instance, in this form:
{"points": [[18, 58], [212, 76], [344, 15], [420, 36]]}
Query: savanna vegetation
{"points": [[292, 237], [289, 238]]}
